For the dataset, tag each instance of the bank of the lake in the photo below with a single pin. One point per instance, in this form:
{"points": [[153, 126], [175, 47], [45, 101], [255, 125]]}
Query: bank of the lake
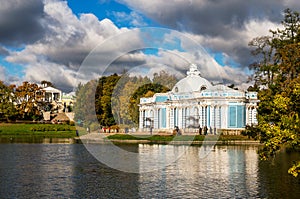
{"points": [[63, 133], [182, 139], [11, 132]]}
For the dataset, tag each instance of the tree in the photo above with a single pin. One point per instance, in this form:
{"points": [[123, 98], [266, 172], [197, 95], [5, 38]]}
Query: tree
{"points": [[165, 79], [29, 100], [7, 108], [147, 90], [84, 108], [123, 92], [104, 99], [116, 98], [47, 83], [277, 74]]}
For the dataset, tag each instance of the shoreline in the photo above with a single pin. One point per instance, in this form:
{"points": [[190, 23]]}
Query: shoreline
{"points": [[115, 141], [85, 140], [229, 142], [96, 138], [66, 134]]}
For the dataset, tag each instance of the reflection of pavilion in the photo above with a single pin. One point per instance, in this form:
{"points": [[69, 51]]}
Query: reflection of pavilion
{"points": [[194, 102], [199, 172]]}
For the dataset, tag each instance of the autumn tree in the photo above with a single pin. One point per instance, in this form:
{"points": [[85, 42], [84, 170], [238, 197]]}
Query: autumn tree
{"points": [[277, 74], [116, 97], [29, 100], [123, 92]]}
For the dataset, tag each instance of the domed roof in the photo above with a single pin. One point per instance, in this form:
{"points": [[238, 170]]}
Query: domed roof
{"points": [[192, 82]]}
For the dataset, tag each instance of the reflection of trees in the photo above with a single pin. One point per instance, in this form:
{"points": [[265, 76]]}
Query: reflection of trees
{"points": [[277, 71], [275, 182]]}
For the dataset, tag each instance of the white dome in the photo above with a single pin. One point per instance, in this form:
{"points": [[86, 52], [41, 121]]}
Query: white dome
{"points": [[192, 83]]}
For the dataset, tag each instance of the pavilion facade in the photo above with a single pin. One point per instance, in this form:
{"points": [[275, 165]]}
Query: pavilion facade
{"points": [[194, 102]]}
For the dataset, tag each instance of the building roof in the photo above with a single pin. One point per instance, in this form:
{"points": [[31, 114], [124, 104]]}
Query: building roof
{"points": [[193, 82], [51, 89]]}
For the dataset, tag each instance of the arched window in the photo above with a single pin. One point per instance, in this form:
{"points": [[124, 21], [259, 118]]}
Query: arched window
{"points": [[203, 88], [176, 89]]}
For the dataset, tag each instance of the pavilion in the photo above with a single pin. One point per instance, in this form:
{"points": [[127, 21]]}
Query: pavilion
{"points": [[194, 102]]}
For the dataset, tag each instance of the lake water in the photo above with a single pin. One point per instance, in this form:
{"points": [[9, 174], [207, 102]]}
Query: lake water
{"points": [[69, 171]]}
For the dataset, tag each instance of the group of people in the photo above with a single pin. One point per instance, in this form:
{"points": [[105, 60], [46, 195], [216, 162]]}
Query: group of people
{"points": [[205, 130]]}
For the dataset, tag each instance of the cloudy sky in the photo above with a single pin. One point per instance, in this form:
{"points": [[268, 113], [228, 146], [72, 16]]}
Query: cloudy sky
{"points": [[52, 39]]}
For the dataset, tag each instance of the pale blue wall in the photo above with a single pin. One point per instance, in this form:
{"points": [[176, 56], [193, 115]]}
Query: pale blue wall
{"points": [[163, 118], [236, 116]]}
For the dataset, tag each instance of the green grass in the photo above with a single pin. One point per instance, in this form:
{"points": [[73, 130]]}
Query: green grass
{"points": [[37, 130], [177, 138]]}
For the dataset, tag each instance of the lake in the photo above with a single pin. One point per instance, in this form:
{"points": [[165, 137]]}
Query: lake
{"points": [[70, 171]]}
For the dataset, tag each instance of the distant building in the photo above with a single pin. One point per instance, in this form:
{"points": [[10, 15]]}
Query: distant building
{"points": [[68, 98], [60, 103], [52, 94], [194, 102]]}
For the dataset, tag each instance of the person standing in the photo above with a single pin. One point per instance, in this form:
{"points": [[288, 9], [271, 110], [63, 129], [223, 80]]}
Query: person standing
{"points": [[200, 130], [205, 130]]}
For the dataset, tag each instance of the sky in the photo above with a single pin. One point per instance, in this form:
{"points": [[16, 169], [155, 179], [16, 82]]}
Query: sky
{"points": [[57, 40]]}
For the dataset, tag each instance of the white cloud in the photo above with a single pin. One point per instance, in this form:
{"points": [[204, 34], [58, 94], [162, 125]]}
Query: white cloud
{"points": [[2, 74], [68, 40], [222, 26], [132, 19]]}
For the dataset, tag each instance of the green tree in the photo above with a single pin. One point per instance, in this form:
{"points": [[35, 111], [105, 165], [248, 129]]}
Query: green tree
{"points": [[84, 107], [7, 98], [104, 100], [147, 90], [128, 88], [277, 74], [116, 98]]}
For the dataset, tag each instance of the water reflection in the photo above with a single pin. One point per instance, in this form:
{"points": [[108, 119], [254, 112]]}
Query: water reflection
{"points": [[228, 171], [69, 171], [59, 171], [273, 178]]}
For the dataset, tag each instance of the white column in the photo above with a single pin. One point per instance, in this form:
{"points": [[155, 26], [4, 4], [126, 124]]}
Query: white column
{"points": [[168, 117], [141, 119], [250, 115], [224, 116], [247, 116], [254, 119]]}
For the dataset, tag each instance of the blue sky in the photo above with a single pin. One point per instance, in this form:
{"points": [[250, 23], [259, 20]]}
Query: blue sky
{"points": [[101, 9], [49, 39]]}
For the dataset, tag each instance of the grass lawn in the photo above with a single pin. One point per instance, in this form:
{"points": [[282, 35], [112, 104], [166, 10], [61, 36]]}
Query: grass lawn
{"points": [[37, 130], [177, 138]]}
